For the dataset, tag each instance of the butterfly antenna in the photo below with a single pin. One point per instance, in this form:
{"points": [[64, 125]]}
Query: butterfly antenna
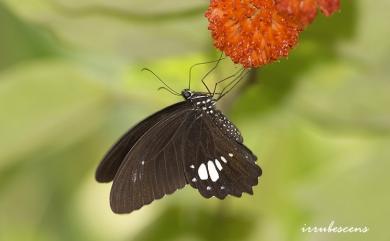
{"points": [[170, 91], [167, 86], [233, 83]]}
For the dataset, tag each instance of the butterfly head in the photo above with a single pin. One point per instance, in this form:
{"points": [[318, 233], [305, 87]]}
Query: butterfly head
{"points": [[186, 93]]}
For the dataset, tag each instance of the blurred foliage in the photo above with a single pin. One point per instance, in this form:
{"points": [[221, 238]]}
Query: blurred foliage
{"points": [[70, 84]]}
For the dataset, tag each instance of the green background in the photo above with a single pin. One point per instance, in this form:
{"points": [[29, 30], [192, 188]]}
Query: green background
{"points": [[70, 84]]}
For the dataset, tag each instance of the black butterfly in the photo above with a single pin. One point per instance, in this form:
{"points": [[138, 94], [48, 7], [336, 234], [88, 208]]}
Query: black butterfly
{"points": [[190, 142]]}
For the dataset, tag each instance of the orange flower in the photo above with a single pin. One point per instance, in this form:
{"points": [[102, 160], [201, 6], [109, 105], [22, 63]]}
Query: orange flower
{"points": [[251, 32], [305, 11]]}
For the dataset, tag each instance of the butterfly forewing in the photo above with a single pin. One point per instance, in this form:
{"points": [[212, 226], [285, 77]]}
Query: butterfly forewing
{"points": [[153, 167], [114, 157]]}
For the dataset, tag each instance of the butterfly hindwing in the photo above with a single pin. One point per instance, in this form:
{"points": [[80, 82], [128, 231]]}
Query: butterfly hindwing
{"points": [[218, 165], [114, 157]]}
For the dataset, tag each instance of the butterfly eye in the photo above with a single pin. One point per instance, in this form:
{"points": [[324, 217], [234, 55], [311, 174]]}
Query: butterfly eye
{"points": [[186, 93]]}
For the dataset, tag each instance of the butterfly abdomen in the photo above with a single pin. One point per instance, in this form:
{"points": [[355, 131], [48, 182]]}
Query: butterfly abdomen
{"points": [[227, 127]]}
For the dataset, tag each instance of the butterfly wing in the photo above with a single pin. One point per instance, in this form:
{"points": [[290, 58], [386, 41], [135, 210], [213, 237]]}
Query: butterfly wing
{"points": [[154, 166], [108, 167], [169, 155], [218, 165]]}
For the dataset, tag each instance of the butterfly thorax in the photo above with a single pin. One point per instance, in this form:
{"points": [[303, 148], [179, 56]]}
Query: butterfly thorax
{"points": [[201, 101], [205, 105]]}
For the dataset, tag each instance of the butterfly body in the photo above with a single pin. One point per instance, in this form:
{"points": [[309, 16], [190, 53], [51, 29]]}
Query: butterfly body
{"points": [[190, 142]]}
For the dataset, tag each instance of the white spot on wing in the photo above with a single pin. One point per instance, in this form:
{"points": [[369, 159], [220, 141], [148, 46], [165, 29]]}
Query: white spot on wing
{"points": [[143, 163], [208, 188], [213, 172], [194, 179], [218, 164], [134, 177], [231, 154], [223, 159], [202, 172], [192, 166]]}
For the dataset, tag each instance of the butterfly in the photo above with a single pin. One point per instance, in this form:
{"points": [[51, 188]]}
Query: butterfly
{"points": [[190, 142]]}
